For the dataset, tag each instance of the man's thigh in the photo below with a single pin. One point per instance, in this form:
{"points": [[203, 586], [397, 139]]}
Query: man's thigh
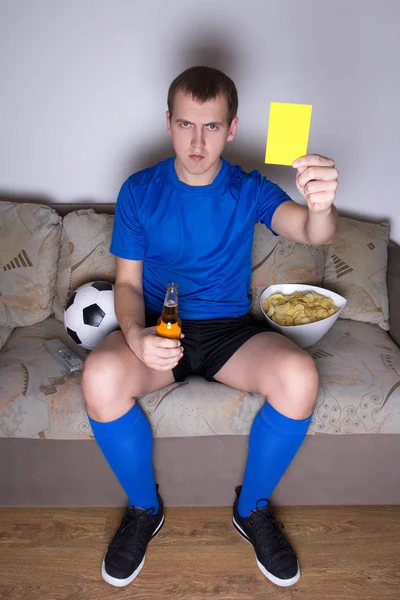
{"points": [[135, 376], [260, 363]]}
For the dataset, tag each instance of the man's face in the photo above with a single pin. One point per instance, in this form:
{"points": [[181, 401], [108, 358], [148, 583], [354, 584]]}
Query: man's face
{"points": [[199, 133]]}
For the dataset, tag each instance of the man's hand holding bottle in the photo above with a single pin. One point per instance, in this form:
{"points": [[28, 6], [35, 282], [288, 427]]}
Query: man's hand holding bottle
{"points": [[156, 352], [160, 347]]}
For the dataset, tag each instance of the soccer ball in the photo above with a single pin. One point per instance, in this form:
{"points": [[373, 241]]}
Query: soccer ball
{"points": [[89, 314]]}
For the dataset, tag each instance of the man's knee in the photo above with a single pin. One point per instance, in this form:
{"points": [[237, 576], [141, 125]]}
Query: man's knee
{"points": [[298, 373], [103, 378], [295, 377]]}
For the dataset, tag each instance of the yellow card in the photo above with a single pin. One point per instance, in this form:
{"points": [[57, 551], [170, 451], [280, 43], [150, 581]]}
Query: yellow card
{"points": [[288, 130]]}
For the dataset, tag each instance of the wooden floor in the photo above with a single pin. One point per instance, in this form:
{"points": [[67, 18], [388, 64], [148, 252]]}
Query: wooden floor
{"points": [[345, 553]]}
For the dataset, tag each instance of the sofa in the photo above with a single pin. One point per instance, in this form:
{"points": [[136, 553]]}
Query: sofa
{"points": [[48, 456]]}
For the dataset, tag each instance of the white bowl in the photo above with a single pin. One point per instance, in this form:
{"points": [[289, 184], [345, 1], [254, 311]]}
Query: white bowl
{"points": [[309, 333]]}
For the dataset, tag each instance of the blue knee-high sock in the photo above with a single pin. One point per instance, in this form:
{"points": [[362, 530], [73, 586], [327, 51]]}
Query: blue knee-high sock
{"points": [[127, 444], [273, 443]]}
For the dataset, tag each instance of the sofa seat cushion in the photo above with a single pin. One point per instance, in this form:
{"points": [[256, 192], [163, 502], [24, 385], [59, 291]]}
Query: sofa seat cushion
{"points": [[359, 366], [38, 398]]}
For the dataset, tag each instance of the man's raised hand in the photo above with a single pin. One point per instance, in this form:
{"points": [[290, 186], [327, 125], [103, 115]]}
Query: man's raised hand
{"points": [[317, 181]]}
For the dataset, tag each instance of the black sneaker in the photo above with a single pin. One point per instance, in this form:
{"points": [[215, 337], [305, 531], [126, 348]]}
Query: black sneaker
{"points": [[125, 556], [275, 557]]}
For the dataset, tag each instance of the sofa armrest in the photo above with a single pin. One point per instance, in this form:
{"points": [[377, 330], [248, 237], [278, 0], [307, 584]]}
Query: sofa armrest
{"points": [[393, 283]]}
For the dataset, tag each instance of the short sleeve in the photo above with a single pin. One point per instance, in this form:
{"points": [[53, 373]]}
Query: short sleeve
{"points": [[127, 238], [270, 196]]}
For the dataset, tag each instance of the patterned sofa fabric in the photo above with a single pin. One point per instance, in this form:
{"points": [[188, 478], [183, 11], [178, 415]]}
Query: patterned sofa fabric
{"points": [[278, 260], [84, 254], [358, 363], [356, 268], [29, 248]]}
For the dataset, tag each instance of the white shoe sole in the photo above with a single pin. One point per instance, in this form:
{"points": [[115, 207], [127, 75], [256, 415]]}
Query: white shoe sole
{"points": [[267, 574], [123, 582]]}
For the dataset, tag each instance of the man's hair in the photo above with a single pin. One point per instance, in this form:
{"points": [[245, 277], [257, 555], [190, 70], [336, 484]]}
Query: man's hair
{"points": [[205, 83]]}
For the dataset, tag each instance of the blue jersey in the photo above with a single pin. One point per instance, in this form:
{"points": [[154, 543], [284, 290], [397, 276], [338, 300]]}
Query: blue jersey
{"points": [[198, 236]]}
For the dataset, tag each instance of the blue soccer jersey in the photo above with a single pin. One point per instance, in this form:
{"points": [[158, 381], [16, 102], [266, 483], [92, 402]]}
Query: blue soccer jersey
{"points": [[198, 236]]}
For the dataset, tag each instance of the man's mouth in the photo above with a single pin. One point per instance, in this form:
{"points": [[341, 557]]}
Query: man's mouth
{"points": [[196, 157]]}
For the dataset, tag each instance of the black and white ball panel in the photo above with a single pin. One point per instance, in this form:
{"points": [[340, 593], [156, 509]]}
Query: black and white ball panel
{"points": [[89, 314], [102, 285], [93, 315], [73, 335]]}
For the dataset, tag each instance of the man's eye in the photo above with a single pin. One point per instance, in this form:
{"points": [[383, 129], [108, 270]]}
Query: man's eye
{"points": [[185, 124], [213, 127]]}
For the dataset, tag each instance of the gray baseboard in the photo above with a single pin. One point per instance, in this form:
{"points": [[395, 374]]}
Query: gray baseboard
{"points": [[202, 471]]}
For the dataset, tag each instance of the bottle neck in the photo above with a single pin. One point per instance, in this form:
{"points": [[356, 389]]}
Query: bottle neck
{"points": [[171, 297]]}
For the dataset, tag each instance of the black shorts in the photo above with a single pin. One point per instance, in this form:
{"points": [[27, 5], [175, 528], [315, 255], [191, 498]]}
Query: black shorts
{"points": [[209, 343]]}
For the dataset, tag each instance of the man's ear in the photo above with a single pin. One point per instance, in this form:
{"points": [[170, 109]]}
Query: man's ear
{"points": [[168, 122], [232, 129]]}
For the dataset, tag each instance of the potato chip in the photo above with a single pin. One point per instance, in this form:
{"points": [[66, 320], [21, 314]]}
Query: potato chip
{"points": [[299, 308]]}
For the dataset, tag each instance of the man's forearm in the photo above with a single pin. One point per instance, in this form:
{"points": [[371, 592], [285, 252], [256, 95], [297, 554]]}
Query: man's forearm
{"points": [[129, 307], [321, 228]]}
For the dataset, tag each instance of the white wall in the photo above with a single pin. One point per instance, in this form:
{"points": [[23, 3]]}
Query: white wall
{"points": [[84, 86]]}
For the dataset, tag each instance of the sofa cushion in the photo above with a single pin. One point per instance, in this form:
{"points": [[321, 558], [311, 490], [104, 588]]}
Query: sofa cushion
{"points": [[359, 368], [84, 254], [38, 398], [29, 247], [356, 268], [278, 260]]}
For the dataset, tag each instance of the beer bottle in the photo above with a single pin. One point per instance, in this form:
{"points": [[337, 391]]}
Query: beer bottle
{"points": [[169, 324]]}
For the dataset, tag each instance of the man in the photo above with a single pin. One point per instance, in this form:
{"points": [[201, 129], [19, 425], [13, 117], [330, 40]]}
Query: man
{"points": [[190, 219]]}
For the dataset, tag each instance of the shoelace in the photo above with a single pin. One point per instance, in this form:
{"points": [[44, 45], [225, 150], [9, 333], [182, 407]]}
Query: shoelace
{"points": [[133, 541], [264, 523]]}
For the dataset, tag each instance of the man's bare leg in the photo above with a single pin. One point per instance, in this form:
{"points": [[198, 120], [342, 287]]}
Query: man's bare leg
{"points": [[274, 366], [113, 376]]}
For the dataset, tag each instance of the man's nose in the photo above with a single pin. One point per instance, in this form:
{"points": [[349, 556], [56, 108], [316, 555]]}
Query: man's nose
{"points": [[198, 137]]}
